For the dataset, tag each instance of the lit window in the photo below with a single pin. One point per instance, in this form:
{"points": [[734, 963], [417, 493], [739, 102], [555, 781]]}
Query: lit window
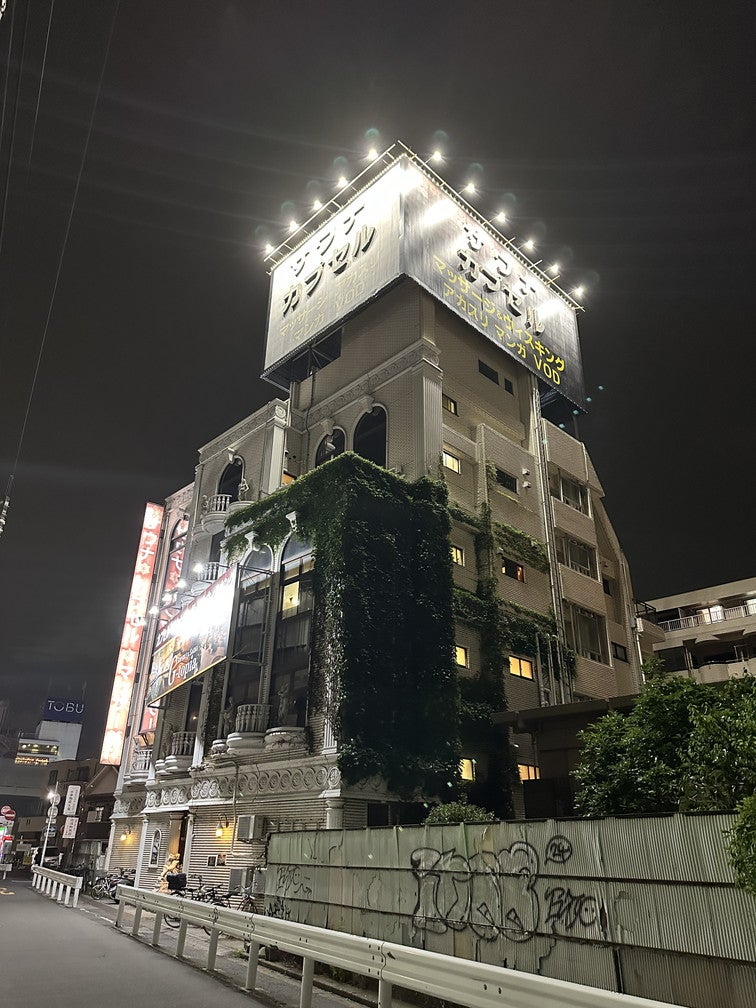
{"points": [[290, 600], [522, 667], [462, 656], [467, 769], [506, 480], [619, 651], [451, 462], [287, 478], [458, 555], [488, 372], [528, 771], [512, 570], [449, 404]]}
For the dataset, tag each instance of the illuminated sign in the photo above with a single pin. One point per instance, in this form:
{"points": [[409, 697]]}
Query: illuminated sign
{"points": [[34, 748], [405, 224], [31, 760], [123, 681], [70, 711], [194, 640]]}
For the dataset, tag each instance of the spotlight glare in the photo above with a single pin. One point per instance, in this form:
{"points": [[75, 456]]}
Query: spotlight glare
{"points": [[579, 291], [372, 154], [437, 156], [342, 182], [293, 225], [529, 245], [470, 188], [501, 217], [554, 268], [268, 249], [317, 205]]}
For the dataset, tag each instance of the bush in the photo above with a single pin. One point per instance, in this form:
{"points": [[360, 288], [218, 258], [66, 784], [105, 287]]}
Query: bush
{"points": [[458, 812]]}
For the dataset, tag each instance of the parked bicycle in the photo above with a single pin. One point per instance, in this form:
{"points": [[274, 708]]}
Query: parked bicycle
{"points": [[106, 886]]}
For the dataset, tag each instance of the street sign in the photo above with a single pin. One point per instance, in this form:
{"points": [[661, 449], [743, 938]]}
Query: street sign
{"points": [[8, 812], [70, 827], [72, 799], [50, 829]]}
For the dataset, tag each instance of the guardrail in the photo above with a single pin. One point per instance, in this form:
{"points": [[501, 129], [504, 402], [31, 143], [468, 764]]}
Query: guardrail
{"points": [[57, 885], [476, 985]]}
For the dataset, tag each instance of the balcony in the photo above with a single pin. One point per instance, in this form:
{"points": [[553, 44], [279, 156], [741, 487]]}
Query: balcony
{"points": [[140, 763], [182, 750], [209, 573], [249, 728], [709, 618], [214, 512]]}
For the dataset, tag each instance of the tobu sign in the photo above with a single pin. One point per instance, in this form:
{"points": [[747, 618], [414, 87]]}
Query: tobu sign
{"points": [[67, 711], [405, 224], [123, 681], [195, 640]]}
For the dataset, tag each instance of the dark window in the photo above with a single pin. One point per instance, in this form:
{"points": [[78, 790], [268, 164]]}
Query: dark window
{"points": [[449, 404], [230, 479], [512, 569], [506, 480], [291, 653], [370, 436], [331, 446], [607, 586], [488, 372], [53, 777], [508, 386], [619, 651]]}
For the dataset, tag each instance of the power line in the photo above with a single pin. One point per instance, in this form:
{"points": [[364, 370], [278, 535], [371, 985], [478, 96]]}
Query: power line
{"points": [[6, 501]]}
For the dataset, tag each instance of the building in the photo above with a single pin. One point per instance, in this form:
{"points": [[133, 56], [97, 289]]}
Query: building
{"points": [[709, 633], [418, 545]]}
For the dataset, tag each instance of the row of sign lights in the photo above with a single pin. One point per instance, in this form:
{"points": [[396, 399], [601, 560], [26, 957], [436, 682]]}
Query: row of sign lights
{"points": [[470, 189]]}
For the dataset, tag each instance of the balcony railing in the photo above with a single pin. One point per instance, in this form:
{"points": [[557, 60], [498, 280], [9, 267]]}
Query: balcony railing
{"points": [[214, 511], [140, 760], [182, 743], [252, 718], [218, 504], [706, 619]]}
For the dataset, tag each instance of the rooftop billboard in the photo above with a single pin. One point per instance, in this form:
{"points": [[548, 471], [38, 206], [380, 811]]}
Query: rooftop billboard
{"points": [[405, 223]]}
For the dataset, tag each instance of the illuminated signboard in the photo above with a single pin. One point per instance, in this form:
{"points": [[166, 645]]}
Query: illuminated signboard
{"points": [[69, 711], [405, 224], [22, 760], [194, 640], [123, 681]]}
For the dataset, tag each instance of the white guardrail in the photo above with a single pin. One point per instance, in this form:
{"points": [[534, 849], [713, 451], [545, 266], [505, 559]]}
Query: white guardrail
{"points": [[57, 885], [476, 985]]}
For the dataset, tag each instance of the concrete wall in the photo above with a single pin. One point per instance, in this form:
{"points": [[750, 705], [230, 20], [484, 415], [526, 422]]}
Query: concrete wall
{"points": [[647, 906]]}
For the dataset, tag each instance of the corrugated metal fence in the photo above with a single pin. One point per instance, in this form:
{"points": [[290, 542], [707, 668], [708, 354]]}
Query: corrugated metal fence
{"points": [[646, 906]]}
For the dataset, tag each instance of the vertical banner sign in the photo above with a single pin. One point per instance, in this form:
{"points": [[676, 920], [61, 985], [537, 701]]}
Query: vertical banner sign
{"points": [[72, 799], [123, 681], [70, 827]]}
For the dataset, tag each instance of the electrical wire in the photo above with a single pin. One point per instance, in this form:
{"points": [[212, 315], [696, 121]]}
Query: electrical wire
{"points": [[41, 82], [6, 502]]}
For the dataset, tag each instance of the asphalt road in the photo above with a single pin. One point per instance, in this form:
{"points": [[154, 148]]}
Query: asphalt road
{"points": [[50, 954]]}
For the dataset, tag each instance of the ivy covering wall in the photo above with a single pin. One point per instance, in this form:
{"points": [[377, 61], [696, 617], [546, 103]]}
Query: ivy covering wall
{"points": [[383, 629]]}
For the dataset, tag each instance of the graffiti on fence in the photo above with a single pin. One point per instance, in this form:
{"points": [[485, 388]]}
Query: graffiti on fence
{"points": [[499, 895], [291, 882]]}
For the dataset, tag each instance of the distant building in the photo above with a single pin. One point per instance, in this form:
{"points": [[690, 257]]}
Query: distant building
{"points": [[447, 360], [709, 633]]}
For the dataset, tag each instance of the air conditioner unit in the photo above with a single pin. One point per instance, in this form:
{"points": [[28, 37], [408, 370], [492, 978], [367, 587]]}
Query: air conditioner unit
{"points": [[250, 827], [240, 878]]}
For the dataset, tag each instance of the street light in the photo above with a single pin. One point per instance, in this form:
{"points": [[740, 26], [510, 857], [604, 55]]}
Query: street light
{"points": [[52, 814]]}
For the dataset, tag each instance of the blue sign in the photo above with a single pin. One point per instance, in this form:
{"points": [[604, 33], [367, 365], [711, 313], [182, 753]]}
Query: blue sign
{"points": [[71, 711]]}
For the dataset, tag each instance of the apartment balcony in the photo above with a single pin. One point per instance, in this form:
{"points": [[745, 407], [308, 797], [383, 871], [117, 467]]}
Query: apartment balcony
{"points": [[182, 750], [712, 617], [249, 729], [214, 512]]}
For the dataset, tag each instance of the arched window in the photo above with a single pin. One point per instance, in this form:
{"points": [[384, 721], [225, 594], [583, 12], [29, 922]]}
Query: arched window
{"points": [[175, 556], [249, 638], [370, 436], [291, 654], [230, 479], [331, 446]]}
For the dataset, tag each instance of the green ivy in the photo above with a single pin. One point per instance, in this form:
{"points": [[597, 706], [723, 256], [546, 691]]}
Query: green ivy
{"points": [[524, 547], [383, 624]]}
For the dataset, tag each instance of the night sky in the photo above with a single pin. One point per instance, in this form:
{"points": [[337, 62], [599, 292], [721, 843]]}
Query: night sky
{"points": [[619, 135]]}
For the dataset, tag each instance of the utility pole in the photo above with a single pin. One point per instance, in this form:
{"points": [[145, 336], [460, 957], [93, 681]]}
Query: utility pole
{"points": [[52, 815]]}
